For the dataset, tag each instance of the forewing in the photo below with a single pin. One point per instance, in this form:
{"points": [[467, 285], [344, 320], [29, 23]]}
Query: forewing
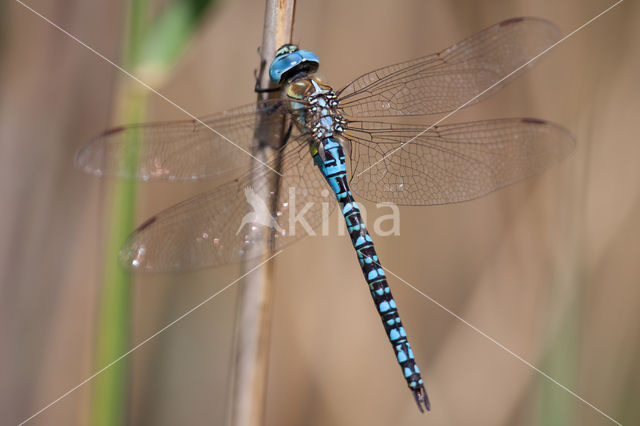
{"points": [[179, 150], [448, 79]]}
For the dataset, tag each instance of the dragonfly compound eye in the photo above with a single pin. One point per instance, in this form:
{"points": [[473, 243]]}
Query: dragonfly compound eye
{"points": [[288, 64]]}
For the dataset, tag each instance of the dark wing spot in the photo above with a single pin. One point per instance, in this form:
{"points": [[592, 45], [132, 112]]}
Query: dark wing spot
{"points": [[510, 21], [533, 121], [112, 131], [147, 223]]}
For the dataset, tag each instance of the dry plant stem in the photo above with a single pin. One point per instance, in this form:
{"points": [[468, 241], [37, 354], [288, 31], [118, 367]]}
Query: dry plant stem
{"points": [[252, 330]]}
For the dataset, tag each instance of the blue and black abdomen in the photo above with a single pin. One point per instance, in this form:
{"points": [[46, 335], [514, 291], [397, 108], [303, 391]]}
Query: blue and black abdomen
{"points": [[333, 167]]}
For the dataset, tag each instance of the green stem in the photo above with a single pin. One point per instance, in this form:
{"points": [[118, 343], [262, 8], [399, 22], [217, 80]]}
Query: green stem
{"points": [[111, 388], [150, 52], [109, 404], [556, 407]]}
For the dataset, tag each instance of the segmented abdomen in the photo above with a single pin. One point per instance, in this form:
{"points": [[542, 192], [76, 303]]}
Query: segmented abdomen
{"points": [[333, 168]]}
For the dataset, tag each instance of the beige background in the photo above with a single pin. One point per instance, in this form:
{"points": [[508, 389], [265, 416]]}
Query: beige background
{"points": [[549, 267]]}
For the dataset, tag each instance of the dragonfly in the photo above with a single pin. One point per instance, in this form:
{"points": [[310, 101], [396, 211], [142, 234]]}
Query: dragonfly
{"points": [[346, 142]]}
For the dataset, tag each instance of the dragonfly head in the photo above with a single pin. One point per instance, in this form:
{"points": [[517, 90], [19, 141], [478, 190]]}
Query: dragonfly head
{"points": [[290, 61]]}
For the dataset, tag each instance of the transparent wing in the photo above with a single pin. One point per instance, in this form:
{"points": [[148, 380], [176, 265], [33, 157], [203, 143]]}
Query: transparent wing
{"points": [[212, 229], [450, 163], [179, 150], [446, 80]]}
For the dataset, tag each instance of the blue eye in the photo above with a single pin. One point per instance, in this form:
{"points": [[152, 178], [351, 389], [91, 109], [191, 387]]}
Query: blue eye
{"points": [[290, 59]]}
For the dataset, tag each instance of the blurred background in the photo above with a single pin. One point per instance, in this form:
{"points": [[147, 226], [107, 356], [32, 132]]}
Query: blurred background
{"points": [[548, 267]]}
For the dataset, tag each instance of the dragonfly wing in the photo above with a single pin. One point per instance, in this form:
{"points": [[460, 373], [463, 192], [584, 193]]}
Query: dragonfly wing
{"points": [[450, 163], [179, 150], [448, 79], [214, 228]]}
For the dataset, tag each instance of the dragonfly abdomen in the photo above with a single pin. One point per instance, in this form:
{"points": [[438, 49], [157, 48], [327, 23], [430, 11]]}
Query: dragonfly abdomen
{"points": [[333, 168]]}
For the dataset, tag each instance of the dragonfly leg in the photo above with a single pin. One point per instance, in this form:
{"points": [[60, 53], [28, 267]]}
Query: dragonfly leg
{"points": [[257, 87]]}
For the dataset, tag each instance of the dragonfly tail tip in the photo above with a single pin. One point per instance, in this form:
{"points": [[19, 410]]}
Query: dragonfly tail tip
{"points": [[422, 399]]}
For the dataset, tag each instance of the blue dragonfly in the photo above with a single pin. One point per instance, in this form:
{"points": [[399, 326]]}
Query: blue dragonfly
{"points": [[331, 140]]}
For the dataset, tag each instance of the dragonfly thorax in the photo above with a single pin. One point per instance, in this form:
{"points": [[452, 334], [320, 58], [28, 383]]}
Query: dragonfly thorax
{"points": [[314, 108]]}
